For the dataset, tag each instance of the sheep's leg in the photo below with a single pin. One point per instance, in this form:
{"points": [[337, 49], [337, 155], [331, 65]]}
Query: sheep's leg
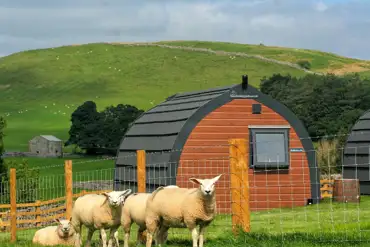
{"points": [[116, 238], [194, 235], [103, 236], [201, 235], [113, 231], [162, 235], [140, 234], [89, 237], [151, 228], [78, 240], [126, 229]]}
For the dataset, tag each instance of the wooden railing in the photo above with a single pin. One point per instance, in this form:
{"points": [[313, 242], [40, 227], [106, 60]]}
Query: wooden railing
{"points": [[9, 220], [37, 213]]}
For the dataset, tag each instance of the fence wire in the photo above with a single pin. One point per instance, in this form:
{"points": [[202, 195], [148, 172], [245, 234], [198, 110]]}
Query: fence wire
{"points": [[316, 199]]}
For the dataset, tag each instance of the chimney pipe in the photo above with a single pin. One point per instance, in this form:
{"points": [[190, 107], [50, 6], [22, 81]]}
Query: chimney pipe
{"points": [[244, 82]]}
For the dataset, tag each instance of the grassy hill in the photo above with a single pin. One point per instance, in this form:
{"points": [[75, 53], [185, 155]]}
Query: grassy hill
{"points": [[40, 88], [321, 61]]}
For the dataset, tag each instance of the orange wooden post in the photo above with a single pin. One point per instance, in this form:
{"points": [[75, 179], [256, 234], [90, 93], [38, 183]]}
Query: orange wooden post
{"points": [[239, 185], [141, 171], [38, 213], [13, 205], [68, 185]]}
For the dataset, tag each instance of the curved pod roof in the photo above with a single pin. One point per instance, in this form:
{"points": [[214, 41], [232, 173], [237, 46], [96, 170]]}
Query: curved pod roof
{"points": [[357, 147]]}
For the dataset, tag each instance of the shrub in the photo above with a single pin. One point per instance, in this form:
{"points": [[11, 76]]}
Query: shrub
{"points": [[27, 181], [304, 64], [328, 157]]}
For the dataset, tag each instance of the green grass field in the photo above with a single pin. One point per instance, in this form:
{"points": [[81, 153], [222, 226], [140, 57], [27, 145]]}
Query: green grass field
{"points": [[41, 88], [325, 224]]}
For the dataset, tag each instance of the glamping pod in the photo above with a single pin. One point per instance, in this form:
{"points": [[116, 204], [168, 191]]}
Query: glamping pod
{"points": [[356, 155], [187, 136]]}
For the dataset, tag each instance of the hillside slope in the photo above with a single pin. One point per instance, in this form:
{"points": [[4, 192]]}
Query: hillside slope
{"points": [[40, 88], [322, 62]]}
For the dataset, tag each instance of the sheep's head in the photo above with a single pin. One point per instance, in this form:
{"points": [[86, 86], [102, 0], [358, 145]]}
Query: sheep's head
{"points": [[64, 225], [116, 198], [207, 186]]}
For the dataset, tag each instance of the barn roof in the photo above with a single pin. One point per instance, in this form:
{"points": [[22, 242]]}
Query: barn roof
{"points": [[51, 138], [357, 148]]}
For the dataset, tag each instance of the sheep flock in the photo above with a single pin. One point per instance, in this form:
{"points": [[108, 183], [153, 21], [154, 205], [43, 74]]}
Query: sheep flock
{"points": [[154, 214]]}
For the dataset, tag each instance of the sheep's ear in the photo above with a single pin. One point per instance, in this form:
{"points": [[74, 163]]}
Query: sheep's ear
{"points": [[215, 179], [70, 219], [106, 197], [195, 180], [126, 192], [57, 221]]}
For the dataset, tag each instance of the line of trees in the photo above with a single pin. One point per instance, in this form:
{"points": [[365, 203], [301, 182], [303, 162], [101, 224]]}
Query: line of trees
{"points": [[328, 105], [100, 132]]}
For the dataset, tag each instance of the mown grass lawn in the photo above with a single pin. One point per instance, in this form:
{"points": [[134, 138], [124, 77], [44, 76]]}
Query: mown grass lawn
{"points": [[325, 224]]}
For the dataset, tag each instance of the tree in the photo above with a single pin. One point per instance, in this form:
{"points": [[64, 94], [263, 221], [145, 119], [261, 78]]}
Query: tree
{"points": [[100, 132], [304, 64], [84, 128], [327, 105], [114, 122]]}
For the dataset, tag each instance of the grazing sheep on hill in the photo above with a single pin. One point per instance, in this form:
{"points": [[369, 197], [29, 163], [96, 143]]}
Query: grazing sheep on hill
{"points": [[99, 212], [181, 207], [62, 234]]}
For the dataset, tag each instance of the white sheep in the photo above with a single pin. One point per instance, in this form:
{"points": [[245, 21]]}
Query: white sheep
{"points": [[180, 208], [134, 211], [99, 212], [62, 234]]}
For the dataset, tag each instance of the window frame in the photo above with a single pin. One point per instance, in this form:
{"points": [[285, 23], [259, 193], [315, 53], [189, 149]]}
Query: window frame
{"points": [[270, 129]]}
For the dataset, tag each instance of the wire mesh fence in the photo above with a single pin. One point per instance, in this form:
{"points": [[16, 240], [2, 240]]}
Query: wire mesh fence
{"points": [[315, 195]]}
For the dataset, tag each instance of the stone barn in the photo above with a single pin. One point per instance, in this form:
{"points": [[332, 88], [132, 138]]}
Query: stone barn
{"points": [[46, 145], [187, 136]]}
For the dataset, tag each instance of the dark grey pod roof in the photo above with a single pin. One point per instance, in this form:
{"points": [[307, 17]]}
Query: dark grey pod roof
{"points": [[157, 129], [357, 148]]}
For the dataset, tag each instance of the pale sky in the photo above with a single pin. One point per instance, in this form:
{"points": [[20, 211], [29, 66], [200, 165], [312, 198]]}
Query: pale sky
{"points": [[339, 26]]}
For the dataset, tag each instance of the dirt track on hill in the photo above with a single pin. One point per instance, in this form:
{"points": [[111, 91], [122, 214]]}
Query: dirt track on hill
{"points": [[218, 52]]}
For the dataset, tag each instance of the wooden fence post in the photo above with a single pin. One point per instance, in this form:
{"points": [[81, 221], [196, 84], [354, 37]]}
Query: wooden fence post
{"points": [[141, 171], [38, 213], [13, 205], [239, 185], [69, 187]]}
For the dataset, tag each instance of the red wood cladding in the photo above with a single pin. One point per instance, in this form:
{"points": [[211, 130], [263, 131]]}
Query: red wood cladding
{"points": [[206, 154]]}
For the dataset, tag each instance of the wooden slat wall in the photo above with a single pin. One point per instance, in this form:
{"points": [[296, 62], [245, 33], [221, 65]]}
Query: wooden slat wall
{"points": [[231, 121]]}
